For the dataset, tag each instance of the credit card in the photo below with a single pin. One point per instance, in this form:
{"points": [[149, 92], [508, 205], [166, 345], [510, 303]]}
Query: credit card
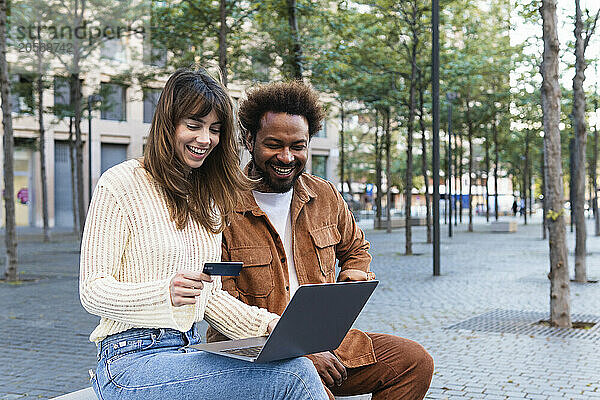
{"points": [[223, 268]]}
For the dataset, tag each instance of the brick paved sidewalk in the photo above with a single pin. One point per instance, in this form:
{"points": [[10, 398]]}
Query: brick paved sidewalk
{"points": [[481, 272]]}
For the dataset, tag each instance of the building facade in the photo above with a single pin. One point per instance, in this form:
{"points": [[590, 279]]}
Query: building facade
{"points": [[120, 123]]}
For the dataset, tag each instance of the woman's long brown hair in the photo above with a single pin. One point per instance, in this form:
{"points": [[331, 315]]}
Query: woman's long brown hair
{"points": [[207, 194]]}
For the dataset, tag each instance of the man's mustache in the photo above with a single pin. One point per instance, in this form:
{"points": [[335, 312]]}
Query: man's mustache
{"points": [[280, 165]]}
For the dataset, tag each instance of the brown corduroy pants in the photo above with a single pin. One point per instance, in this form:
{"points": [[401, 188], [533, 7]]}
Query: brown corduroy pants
{"points": [[403, 371]]}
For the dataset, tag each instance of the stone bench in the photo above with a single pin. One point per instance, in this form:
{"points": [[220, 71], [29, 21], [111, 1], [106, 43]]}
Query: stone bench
{"points": [[399, 223], [88, 394], [504, 226], [83, 394]]}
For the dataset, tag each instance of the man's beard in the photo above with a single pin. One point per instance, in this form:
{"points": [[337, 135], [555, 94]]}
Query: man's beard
{"points": [[273, 185]]}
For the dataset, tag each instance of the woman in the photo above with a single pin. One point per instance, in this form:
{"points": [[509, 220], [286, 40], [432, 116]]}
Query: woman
{"points": [[151, 226]]}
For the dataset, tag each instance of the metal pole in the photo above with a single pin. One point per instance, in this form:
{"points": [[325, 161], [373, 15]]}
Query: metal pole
{"points": [[450, 166], [435, 111]]}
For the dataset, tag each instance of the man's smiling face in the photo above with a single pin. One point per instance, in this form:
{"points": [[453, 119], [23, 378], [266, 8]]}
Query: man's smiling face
{"points": [[279, 151]]}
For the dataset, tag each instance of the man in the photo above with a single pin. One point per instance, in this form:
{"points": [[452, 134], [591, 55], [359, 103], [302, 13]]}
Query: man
{"points": [[290, 231]]}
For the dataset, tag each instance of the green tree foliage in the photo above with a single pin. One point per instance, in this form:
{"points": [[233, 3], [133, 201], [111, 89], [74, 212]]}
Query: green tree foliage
{"points": [[201, 32], [477, 60]]}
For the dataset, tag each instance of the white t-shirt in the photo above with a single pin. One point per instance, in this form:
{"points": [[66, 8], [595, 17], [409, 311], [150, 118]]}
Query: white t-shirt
{"points": [[277, 207]]}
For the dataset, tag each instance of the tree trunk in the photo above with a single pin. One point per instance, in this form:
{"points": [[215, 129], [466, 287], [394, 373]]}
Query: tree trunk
{"points": [[526, 176], [460, 176], [10, 237], [595, 175], [76, 96], [296, 49], [349, 184], [470, 139], [424, 164], [342, 159], [590, 186], [223, 31], [580, 148], [544, 200], [388, 171], [471, 180], [560, 308], [76, 106], [487, 174], [530, 187], [572, 193], [40, 88], [496, 162], [73, 179], [456, 177], [378, 172], [449, 162], [412, 105], [523, 191]]}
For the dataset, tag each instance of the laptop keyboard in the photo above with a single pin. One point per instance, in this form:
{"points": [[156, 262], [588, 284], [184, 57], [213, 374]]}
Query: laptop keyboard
{"points": [[245, 351]]}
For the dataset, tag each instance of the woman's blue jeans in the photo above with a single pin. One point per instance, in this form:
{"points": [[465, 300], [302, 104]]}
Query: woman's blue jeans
{"points": [[150, 364]]}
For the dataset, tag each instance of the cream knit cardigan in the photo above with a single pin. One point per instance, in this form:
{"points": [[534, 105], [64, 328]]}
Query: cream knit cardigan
{"points": [[130, 251]]}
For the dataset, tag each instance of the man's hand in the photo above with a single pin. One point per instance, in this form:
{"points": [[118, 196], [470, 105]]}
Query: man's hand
{"points": [[186, 285], [354, 275], [330, 369]]}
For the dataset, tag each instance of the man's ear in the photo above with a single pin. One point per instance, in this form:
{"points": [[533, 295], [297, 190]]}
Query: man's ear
{"points": [[248, 141]]}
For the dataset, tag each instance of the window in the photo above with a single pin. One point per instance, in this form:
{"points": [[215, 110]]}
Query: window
{"points": [[260, 66], [62, 94], [113, 49], [156, 41], [21, 94], [323, 131], [113, 101], [319, 166], [151, 97], [155, 54], [261, 71], [14, 96]]}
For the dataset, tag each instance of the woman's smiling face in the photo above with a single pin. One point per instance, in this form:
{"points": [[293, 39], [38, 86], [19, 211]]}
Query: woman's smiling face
{"points": [[196, 138]]}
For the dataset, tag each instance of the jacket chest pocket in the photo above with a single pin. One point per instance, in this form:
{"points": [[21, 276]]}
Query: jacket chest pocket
{"points": [[325, 239], [256, 278]]}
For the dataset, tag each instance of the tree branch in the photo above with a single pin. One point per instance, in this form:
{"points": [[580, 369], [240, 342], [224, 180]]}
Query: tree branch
{"points": [[245, 15], [589, 30], [207, 22]]}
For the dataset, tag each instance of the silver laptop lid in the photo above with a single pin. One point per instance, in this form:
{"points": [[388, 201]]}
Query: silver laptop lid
{"points": [[316, 319]]}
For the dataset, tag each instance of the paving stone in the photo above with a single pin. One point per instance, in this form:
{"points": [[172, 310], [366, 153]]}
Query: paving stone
{"points": [[437, 396], [481, 272], [471, 395], [494, 397], [534, 396]]}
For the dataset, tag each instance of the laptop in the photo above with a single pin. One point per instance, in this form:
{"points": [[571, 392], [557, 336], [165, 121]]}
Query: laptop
{"points": [[316, 319]]}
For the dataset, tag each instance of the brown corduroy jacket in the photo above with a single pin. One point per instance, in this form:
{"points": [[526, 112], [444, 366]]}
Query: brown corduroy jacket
{"points": [[323, 230]]}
